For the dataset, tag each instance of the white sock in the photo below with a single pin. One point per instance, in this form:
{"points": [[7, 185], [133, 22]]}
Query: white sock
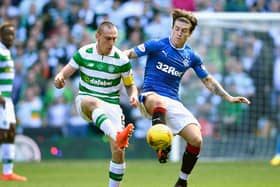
{"points": [[102, 122], [183, 176], [8, 158], [116, 172]]}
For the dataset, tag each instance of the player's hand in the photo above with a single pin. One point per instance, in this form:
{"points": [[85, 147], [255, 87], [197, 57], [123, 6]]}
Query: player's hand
{"points": [[133, 100], [59, 81], [239, 99], [2, 102]]}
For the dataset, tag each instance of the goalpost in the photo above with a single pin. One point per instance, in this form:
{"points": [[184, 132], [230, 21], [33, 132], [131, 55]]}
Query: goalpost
{"points": [[241, 50]]}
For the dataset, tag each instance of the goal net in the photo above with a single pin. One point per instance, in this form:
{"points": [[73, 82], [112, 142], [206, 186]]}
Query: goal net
{"points": [[242, 51]]}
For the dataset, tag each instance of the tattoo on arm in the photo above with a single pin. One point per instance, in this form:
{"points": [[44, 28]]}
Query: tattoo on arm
{"points": [[215, 87]]}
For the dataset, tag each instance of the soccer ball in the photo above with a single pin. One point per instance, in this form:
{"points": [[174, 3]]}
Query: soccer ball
{"points": [[159, 136]]}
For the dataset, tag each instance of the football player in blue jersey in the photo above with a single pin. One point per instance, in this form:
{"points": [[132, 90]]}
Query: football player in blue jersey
{"points": [[167, 61]]}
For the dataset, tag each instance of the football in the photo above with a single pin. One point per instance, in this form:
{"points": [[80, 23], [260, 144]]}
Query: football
{"points": [[159, 136]]}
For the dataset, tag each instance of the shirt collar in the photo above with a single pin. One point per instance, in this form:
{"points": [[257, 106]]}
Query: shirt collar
{"points": [[176, 47]]}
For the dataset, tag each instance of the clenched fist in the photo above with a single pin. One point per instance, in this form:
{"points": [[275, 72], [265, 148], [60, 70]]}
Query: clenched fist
{"points": [[59, 81]]}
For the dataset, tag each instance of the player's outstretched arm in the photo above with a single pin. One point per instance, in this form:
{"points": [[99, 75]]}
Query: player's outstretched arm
{"points": [[216, 88], [63, 75]]}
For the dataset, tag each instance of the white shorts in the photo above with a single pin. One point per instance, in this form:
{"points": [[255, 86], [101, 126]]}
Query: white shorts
{"points": [[7, 114], [112, 111], [177, 115]]}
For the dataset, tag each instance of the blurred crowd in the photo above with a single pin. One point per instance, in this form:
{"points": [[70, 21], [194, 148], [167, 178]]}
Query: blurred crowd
{"points": [[50, 31]]}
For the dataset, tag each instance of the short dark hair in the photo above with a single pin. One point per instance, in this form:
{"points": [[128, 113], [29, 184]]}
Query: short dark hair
{"points": [[4, 25], [103, 24], [184, 16]]}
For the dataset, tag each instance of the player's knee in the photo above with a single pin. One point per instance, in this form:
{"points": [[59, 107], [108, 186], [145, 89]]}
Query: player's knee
{"points": [[11, 137], [7, 136], [2, 137], [88, 105], [11, 134], [196, 141], [152, 101]]}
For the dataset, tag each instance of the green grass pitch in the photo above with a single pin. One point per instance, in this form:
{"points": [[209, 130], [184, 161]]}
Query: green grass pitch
{"points": [[146, 173]]}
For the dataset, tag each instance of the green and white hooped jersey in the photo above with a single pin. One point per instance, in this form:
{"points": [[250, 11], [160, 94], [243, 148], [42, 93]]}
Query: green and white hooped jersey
{"points": [[100, 76], [7, 71]]}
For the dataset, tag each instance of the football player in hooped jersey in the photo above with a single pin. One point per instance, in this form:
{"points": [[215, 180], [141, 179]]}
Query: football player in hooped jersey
{"points": [[103, 68], [7, 113], [167, 61]]}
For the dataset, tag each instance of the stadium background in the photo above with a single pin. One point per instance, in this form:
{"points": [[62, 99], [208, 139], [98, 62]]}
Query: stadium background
{"points": [[241, 50]]}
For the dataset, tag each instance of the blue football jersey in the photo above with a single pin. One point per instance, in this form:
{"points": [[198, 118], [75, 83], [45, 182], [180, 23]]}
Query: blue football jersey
{"points": [[166, 66]]}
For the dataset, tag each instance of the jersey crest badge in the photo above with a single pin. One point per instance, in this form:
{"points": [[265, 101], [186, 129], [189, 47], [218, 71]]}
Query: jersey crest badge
{"points": [[141, 47], [90, 65], [111, 69], [186, 61]]}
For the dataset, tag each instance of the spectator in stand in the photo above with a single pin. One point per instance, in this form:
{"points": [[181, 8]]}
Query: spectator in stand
{"points": [[30, 18], [237, 81], [235, 6], [115, 14], [162, 6], [86, 13], [30, 109], [262, 75], [259, 6], [11, 10], [49, 11], [274, 6], [30, 54], [238, 77], [74, 14], [154, 28]]}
